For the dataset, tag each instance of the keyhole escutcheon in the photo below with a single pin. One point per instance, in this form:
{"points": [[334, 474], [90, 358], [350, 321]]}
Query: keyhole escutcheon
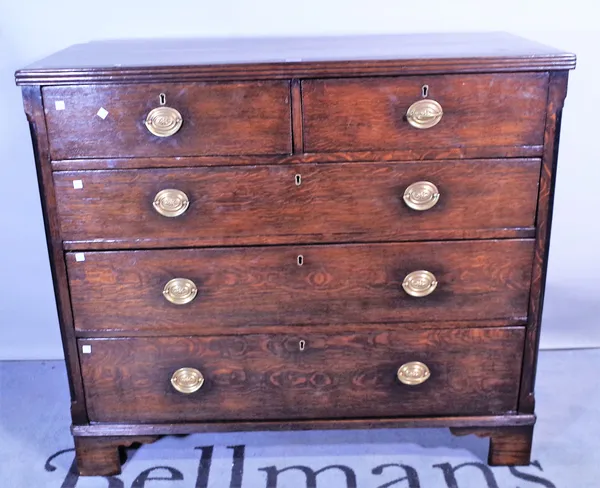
{"points": [[300, 260], [302, 345], [298, 180]]}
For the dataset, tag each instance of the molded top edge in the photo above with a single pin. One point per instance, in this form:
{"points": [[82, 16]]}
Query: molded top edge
{"points": [[234, 58]]}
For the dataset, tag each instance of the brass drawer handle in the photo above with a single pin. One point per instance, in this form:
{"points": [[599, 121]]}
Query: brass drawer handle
{"points": [[164, 121], [180, 291], [187, 380], [171, 202], [419, 283], [413, 373], [424, 114], [421, 195]]}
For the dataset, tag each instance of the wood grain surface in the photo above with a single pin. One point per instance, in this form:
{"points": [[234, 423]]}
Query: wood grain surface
{"points": [[408, 155], [370, 114], [147, 60], [132, 428], [473, 371], [218, 118], [264, 205], [34, 109], [263, 286], [509, 445], [556, 100], [258, 112], [102, 456]]}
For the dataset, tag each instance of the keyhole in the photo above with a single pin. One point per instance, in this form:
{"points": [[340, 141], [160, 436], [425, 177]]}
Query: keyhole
{"points": [[298, 180], [162, 98], [300, 260], [302, 344], [425, 91]]}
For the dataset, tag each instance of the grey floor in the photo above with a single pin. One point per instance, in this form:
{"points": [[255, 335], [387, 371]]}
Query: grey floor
{"points": [[36, 448]]}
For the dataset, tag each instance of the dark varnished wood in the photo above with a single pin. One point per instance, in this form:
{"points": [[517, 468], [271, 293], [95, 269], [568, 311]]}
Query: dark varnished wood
{"points": [[471, 234], [509, 446], [337, 284], [218, 118], [556, 98], [101, 456], [369, 114], [479, 421], [297, 128], [264, 205], [202, 59], [324, 328], [255, 113], [35, 115], [409, 155], [473, 371]]}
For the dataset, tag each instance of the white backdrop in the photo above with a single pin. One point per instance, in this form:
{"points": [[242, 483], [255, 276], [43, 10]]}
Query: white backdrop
{"points": [[32, 29]]}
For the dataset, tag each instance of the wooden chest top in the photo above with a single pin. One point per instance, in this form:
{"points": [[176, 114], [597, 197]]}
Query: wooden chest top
{"points": [[260, 58], [271, 233]]}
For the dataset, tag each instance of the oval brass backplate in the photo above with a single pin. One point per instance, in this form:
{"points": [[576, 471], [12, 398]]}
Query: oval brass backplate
{"points": [[171, 202], [421, 195], [424, 114], [413, 373], [180, 291], [187, 380], [164, 121], [419, 283]]}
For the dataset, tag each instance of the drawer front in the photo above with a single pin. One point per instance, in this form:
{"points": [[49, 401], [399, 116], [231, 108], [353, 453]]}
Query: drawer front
{"points": [[299, 285], [253, 377], [217, 119], [371, 113], [310, 203]]}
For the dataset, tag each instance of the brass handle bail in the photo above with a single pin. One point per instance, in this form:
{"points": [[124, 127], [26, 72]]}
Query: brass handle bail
{"points": [[421, 195], [171, 202], [419, 283], [424, 114], [187, 380], [413, 373], [164, 121], [180, 291]]}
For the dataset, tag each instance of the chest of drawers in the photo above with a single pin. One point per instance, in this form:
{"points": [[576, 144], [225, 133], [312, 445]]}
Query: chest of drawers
{"points": [[298, 233]]}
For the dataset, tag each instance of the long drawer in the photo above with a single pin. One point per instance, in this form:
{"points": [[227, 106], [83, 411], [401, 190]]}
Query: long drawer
{"points": [[390, 113], [307, 203], [292, 376], [168, 119], [210, 290]]}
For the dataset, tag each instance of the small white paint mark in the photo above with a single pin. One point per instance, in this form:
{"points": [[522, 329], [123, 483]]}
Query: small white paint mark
{"points": [[293, 60], [78, 184], [102, 113], [79, 256], [59, 104], [86, 349]]}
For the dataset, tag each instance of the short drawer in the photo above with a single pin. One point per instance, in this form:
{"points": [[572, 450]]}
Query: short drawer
{"points": [[373, 113], [306, 203], [181, 291], [158, 120], [292, 376]]}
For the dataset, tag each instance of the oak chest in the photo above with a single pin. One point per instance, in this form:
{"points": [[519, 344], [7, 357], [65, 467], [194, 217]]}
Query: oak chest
{"points": [[298, 233]]}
